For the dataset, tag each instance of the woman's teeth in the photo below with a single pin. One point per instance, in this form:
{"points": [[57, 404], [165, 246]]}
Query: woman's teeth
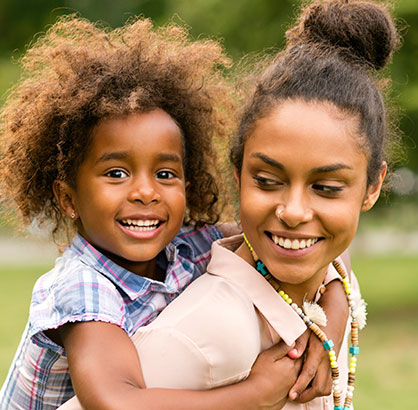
{"points": [[140, 224], [293, 243]]}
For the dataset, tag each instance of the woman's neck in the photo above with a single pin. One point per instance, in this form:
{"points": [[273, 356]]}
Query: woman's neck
{"points": [[298, 292]]}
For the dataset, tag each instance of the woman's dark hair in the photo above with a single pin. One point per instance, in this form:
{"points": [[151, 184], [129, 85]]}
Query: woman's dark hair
{"points": [[332, 55], [79, 73]]}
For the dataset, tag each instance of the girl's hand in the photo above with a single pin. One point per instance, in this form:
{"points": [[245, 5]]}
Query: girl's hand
{"points": [[272, 375], [315, 377]]}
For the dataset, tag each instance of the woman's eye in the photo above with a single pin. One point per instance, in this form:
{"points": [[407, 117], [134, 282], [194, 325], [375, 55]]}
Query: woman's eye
{"points": [[165, 175], [116, 173], [265, 182], [327, 189]]}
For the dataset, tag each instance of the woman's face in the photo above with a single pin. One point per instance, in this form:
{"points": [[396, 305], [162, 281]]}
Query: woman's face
{"points": [[303, 160]]}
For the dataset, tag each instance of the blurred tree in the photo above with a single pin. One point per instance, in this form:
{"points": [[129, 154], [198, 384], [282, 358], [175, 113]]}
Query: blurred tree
{"points": [[245, 25], [20, 20]]}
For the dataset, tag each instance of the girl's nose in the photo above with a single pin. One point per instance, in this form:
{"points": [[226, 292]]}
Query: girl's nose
{"points": [[144, 191]]}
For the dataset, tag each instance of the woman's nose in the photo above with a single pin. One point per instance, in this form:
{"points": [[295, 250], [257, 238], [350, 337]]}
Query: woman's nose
{"points": [[294, 209]]}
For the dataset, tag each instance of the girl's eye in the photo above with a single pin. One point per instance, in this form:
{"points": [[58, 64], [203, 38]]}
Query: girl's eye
{"points": [[265, 182], [116, 173], [165, 175], [327, 189]]}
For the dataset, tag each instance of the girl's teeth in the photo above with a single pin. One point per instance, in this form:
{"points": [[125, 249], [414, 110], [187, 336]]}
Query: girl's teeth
{"points": [[140, 224], [140, 228], [294, 244]]}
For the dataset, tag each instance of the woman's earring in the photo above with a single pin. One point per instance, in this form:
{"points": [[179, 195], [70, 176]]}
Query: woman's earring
{"points": [[72, 215]]}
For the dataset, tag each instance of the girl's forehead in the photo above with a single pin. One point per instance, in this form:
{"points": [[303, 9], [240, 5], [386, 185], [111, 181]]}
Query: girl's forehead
{"points": [[137, 135]]}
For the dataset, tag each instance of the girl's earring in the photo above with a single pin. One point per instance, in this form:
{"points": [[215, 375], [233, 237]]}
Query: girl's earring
{"points": [[72, 215]]}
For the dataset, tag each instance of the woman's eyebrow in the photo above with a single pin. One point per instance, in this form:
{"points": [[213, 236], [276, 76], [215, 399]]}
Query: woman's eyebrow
{"points": [[268, 160], [320, 170], [330, 168]]}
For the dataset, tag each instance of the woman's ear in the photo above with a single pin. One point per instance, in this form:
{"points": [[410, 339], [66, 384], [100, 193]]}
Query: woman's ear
{"points": [[236, 178], [373, 191], [64, 196]]}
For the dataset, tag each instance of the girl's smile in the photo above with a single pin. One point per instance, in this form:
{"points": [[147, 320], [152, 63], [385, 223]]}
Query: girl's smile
{"points": [[130, 192], [302, 187]]}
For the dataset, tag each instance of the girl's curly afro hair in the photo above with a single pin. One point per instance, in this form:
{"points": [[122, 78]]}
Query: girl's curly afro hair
{"points": [[79, 73]]}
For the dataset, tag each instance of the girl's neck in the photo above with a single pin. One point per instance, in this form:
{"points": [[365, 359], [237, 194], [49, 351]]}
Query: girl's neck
{"points": [[298, 292], [147, 269]]}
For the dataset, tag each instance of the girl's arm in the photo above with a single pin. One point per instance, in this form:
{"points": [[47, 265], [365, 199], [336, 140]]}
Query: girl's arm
{"points": [[315, 377], [106, 374]]}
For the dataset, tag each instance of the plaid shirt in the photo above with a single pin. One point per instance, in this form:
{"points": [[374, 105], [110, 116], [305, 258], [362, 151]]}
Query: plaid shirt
{"points": [[85, 285]]}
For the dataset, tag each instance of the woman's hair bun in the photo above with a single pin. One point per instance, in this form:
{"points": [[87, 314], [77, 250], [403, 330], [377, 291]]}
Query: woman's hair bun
{"points": [[360, 29]]}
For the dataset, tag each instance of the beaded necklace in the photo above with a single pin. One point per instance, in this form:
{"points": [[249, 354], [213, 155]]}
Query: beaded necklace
{"points": [[313, 315]]}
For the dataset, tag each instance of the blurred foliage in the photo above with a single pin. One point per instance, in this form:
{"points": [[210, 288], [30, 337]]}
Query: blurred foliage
{"points": [[244, 26]]}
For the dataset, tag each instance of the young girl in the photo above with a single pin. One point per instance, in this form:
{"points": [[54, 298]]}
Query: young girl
{"points": [[110, 132], [309, 158]]}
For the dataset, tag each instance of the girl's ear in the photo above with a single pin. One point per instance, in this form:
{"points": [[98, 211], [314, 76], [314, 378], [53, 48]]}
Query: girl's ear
{"points": [[64, 195], [373, 191], [236, 178]]}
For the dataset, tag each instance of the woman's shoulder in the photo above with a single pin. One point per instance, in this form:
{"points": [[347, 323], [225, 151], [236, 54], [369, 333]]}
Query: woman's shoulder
{"points": [[202, 331], [211, 310]]}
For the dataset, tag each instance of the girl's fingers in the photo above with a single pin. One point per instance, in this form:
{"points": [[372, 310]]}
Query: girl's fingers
{"points": [[300, 346], [278, 351], [306, 376]]}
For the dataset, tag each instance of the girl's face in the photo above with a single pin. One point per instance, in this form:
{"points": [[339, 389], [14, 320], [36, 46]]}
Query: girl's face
{"points": [[130, 194], [304, 159]]}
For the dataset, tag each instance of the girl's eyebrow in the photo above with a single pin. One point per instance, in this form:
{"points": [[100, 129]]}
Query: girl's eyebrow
{"points": [[319, 170], [169, 157], [107, 156]]}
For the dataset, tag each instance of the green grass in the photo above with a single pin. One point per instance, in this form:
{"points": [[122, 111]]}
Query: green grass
{"points": [[388, 367], [388, 283], [15, 294]]}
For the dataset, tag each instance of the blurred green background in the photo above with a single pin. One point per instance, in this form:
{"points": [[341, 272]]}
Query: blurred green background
{"points": [[385, 252]]}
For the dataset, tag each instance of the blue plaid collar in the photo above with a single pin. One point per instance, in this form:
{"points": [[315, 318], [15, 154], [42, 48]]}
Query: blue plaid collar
{"points": [[178, 253]]}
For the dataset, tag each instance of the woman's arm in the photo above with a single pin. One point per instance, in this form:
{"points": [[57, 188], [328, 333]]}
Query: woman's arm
{"points": [[106, 374]]}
